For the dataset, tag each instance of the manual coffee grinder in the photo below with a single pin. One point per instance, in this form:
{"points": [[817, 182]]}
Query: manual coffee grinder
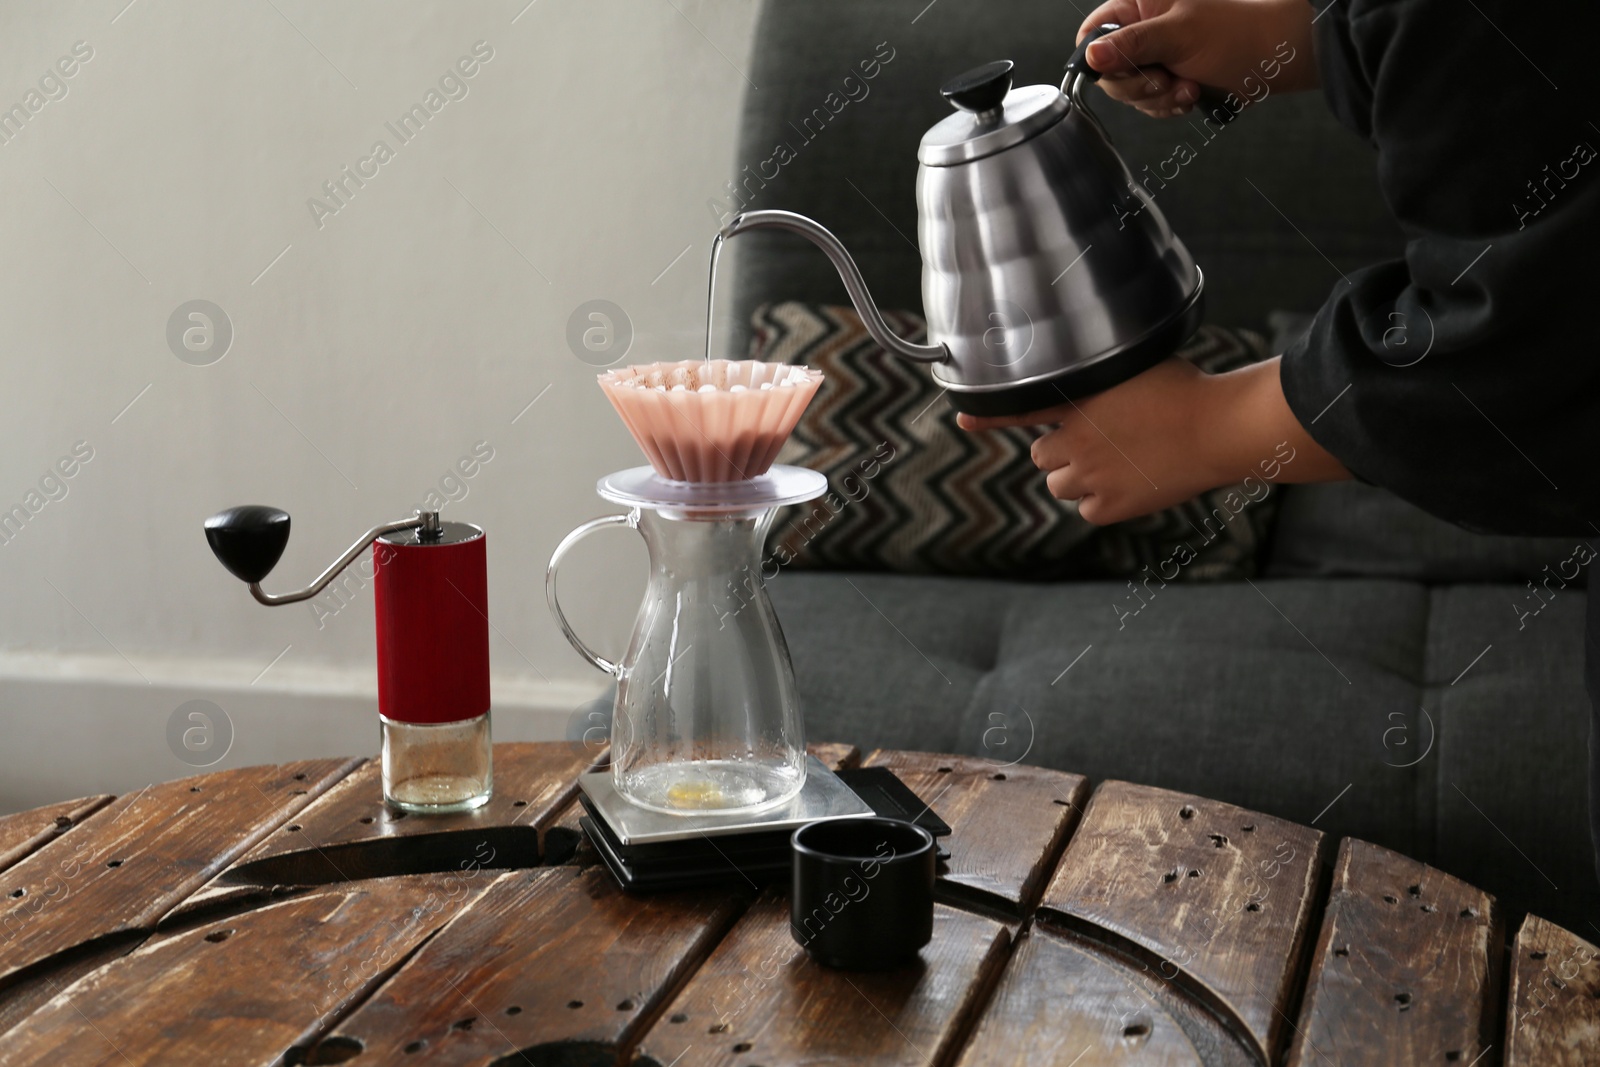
{"points": [[430, 590]]}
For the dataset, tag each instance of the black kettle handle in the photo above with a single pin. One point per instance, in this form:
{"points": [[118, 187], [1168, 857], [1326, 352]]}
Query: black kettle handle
{"points": [[1078, 62], [1212, 102]]}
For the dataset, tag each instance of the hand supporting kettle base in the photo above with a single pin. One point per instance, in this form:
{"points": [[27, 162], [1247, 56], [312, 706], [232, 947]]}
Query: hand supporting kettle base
{"points": [[1038, 284]]}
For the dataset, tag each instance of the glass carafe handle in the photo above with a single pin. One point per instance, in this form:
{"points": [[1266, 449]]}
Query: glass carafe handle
{"points": [[630, 519]]}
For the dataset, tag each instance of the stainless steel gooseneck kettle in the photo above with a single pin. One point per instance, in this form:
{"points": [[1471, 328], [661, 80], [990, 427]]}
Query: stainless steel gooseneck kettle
{"points": [[1047, 272]]}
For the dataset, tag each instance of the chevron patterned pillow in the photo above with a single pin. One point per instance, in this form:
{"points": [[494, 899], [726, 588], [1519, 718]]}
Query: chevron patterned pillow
{"points": [[912, 492]]}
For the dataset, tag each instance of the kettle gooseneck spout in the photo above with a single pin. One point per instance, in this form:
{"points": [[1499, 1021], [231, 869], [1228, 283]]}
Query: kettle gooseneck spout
{"points": [[854, 284]]}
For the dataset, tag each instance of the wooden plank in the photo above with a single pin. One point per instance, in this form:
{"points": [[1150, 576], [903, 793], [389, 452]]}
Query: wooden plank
{"points": [[135, 860], [1221, 895], [1404, 968], [532, 780], [1057, 1003], [760, 999], [1008, 823], [27, 995], [1219, 1044], [546, 961], [1555, 999], [835, 754], [245, 989], [562, 840], [27, 831], [350, 834]]}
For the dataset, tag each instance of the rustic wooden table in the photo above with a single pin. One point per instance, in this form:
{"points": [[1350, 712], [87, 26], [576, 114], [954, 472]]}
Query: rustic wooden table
{"points": [[281, 915]]}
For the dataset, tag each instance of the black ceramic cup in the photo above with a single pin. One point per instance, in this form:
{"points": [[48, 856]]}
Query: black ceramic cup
{"points": [[862, 897]]}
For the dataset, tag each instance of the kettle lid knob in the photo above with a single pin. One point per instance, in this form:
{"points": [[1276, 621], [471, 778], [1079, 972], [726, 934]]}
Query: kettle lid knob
{"points": [[980, 89]]}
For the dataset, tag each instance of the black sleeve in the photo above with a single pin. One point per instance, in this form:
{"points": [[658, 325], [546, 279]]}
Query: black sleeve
{"points": [[1465, 377]]}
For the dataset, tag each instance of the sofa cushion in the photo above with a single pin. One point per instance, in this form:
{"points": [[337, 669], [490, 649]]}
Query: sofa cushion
{"points": [[1335, 702], [914, 493], [1208, 689], [1351, 528], [890, 660], [1507, 694]]}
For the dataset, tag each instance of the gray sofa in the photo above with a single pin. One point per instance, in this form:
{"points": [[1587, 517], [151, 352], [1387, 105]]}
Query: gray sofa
{"points": [[1377, 678]]}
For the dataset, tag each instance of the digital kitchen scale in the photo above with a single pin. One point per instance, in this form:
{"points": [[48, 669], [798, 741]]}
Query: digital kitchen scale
{"points": [[649, 851], [824, 796]]}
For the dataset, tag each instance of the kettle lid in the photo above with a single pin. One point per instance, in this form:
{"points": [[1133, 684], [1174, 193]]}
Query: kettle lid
{"points": [[990, 115]]}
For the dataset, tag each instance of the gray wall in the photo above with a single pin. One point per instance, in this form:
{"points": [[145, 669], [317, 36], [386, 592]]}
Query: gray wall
{"points": [[371, 348]]}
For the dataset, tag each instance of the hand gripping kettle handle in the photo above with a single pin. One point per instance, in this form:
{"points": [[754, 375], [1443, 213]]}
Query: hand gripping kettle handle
{"points": [[631, 519], [1211, 102], [854, 284], [1078, 62]]}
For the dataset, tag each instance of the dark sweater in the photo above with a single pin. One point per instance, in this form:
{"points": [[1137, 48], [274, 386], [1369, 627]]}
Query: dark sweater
{"points": [[1465, 377]]}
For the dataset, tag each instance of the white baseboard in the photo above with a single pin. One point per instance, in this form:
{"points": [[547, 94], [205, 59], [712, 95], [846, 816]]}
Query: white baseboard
{"points": [[73, 724]]}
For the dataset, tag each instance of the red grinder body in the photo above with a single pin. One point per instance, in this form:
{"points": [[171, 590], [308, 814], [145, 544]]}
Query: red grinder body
{"points": [[432, 602]]}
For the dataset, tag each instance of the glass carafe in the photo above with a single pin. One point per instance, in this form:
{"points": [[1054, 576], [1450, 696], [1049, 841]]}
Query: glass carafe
{"points": [[706, 717]]}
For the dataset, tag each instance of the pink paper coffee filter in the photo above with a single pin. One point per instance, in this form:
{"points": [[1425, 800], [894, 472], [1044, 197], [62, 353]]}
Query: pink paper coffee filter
{"points": [[718, 421]]}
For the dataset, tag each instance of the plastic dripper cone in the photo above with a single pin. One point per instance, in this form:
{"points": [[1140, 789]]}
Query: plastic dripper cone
{"points": [[718, 421]]}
